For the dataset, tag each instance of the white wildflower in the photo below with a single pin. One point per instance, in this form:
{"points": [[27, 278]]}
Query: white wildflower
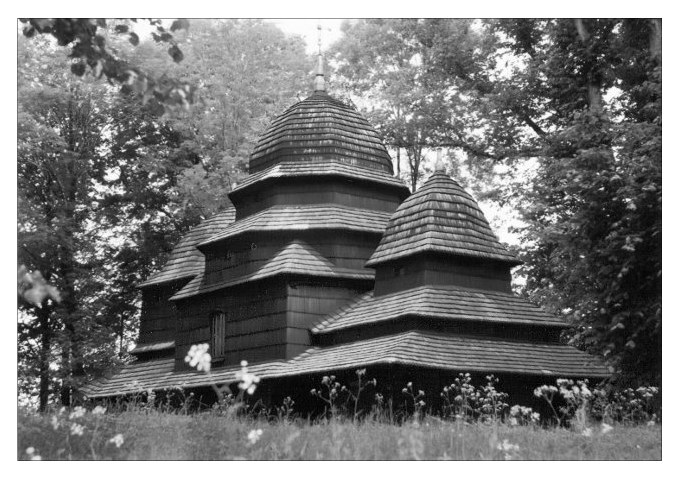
{"points": [[199, 357], [77, 412], [33, 454], [99, 410], [118, 440], [248, 381], [77, 429], [605, 428], [508, 449], [253, 436], [587, 432]]}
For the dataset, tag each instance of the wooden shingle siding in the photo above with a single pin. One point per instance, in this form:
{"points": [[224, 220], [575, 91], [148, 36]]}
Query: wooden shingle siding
{"points": [[310, 191], [185, 260], [414, 348], [308, 303], [255, 315], [511, 331], [320, 128], [317, 216], [365, 177], [432, 269], [158, 315], [268, 255], [295, 258], [440, 217], [446, 302]]}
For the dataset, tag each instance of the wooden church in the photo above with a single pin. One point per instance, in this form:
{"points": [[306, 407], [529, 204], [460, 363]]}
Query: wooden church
{"points": [[327, 264]]}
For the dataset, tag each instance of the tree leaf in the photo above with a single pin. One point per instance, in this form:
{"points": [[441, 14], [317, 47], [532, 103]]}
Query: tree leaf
{"points": [[78, 68], [179, 24], [176, 53]]}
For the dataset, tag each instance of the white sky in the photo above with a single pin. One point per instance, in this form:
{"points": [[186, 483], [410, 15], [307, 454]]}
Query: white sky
{"points": [[308, 28]]}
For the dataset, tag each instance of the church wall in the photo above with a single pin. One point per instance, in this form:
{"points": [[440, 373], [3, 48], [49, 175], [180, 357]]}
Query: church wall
{"points": [[235, 258], [418, 270], [296, 191], [158, 320], [452, 327], [255, 322], [309, 302]]}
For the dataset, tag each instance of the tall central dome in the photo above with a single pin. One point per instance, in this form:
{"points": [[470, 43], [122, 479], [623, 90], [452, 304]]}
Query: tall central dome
{"points": [[321, 128]]}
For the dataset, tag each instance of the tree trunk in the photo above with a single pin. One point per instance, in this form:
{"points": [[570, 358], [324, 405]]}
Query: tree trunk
{"points": [[45, 349], [593, 85], [656, 40], [398, 161], [414, 158]]}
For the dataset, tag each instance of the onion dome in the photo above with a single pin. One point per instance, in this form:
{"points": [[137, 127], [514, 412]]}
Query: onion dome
{"points": [[442, 218], [321, 128]]}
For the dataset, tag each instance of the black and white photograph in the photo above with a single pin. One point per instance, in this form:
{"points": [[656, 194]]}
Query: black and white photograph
{"points": [[339, 239]]}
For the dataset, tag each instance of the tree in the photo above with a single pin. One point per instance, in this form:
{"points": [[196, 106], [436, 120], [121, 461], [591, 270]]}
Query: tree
{"points": [[584, 98], [133, 178], [245, 73], [580, 99], [87, 39]]}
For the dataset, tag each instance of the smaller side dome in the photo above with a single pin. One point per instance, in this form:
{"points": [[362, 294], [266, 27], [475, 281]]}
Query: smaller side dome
{"points": [[321, 128], [441, 217]]}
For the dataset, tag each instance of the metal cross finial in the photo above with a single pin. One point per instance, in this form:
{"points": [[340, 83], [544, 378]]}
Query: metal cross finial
{"points": [[319, 82]]}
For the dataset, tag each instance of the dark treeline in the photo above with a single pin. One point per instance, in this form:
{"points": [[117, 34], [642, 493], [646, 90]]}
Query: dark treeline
{"points": [[559, 119]]}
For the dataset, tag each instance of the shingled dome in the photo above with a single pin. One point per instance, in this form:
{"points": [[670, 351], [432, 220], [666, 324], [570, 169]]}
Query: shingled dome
{"points": [[321, 128], [440, 217]]}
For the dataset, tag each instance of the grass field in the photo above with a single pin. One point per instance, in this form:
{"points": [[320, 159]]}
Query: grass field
{"points": [[152, 435]]}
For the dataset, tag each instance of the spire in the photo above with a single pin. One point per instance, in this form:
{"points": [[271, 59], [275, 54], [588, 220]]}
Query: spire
{"points": [[319, 82], [438, 167]]}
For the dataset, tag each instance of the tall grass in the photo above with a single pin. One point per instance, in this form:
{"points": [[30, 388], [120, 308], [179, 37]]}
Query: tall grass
{"points": [[149, 434]]}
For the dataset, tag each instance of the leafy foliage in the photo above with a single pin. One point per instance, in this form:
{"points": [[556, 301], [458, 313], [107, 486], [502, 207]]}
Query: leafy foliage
{"points": [[107, 186], [87, 39], [582, 100]]}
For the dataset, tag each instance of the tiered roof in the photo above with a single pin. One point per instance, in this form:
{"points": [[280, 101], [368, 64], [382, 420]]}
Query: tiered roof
{"points": [[296, 169], [185, 260], [306, 217], [423, 349], [294, 258], [440, 302], [440, 217], [321, 128]]}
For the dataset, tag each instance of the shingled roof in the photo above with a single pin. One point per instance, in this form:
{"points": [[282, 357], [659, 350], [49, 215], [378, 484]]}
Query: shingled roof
{"points": [[423, 349], [296, 257], [439, 217], [320, 128], [321, 168], [441, 302], [303, 217], [185, 260]]}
